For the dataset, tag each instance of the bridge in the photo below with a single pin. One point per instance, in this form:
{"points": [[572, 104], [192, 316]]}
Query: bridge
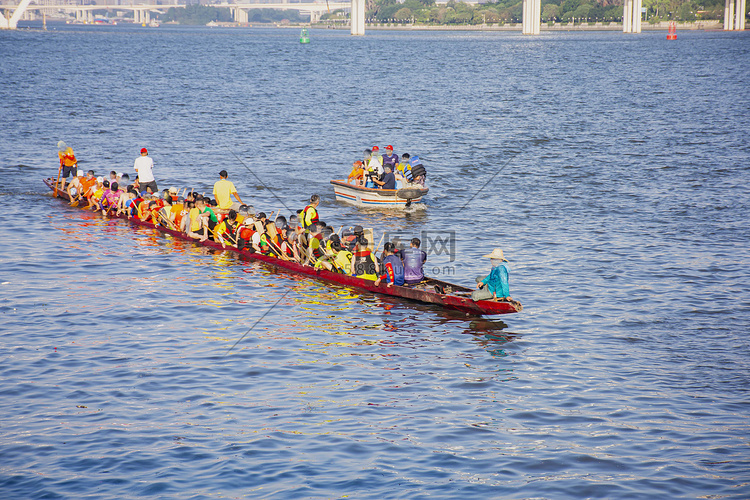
{"points": [[734, 12], [142, 11]]}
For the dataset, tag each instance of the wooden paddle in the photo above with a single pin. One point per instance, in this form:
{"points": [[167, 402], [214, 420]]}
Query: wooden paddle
{"points": [[59, 173]]}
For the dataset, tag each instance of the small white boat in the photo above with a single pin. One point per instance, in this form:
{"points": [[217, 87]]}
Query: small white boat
{"points": [[368, 197]]}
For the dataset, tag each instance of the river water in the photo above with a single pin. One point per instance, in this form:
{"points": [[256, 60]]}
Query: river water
{"points": [[613, 170]]}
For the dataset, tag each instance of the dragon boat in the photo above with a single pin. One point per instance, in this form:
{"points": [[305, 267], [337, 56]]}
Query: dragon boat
{"points": [[429, 291]]}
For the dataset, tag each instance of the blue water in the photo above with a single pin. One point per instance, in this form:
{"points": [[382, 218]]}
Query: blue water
{"points": [[613, 170]]}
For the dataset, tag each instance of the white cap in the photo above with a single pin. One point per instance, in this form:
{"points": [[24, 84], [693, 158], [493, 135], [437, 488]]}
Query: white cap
{"points": [[119, 174], [81, 173], [100, 179]]}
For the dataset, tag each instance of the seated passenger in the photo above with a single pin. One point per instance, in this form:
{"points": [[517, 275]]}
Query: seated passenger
{"points": [[111, 199], [392, 269], [403, 171], [389, 180], [357, 174], [494, 286], [418, 171]]}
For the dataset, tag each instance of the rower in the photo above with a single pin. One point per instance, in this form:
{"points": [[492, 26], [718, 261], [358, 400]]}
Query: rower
{"points": [[413, 259], [197, 228], [392, 270], [225, 231], [363, 264], [315, 247], [75, 187], [494, 286]]}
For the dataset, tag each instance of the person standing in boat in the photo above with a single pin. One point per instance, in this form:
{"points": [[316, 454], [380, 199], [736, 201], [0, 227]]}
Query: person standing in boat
{"points": [[223, 192], [309, 214], [68, 162], [413, 259], [390, 158], [144, 166], [494, 286], [375, 165]]}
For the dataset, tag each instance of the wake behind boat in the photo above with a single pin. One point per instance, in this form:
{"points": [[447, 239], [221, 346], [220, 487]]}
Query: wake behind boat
{"points": [[429, 291]]}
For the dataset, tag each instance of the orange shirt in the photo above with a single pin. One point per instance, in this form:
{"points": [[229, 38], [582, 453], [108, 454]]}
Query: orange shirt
{"points": [[87, 183], [67, 158]]}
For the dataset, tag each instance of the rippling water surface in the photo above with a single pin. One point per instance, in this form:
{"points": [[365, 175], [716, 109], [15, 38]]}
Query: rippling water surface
{"points": [[613, 170]]}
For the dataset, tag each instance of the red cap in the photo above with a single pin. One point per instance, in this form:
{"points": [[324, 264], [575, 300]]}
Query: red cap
{"points": [[389, 147], [375, 148], [144, 150]]}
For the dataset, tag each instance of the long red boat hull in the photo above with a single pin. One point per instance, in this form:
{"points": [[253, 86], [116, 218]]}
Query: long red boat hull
{"points": [[464, 304]]}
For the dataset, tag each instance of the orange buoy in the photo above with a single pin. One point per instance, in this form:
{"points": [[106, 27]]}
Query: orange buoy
{"points": [[672, 35]]}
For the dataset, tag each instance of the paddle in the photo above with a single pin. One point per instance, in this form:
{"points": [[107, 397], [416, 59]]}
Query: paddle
{"points": [[59, 173]]}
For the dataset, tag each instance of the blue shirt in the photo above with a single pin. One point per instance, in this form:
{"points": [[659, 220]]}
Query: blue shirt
{"points": [[497, 280], [391, 160], [390, 181]]}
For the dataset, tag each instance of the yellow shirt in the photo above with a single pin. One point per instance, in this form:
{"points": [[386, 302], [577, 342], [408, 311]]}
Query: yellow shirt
{"points": [[195, 223], [222, 192]]}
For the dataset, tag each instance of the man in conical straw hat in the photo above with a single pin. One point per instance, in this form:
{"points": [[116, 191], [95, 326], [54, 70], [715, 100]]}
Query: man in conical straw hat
{"points": [[494, 286]]}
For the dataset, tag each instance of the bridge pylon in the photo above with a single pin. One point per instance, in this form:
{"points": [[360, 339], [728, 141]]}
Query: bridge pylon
{"points": [[531, 17], [358, 17]]}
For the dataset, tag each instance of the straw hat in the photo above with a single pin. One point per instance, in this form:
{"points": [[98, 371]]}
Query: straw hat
{"points": [[496, 254]]}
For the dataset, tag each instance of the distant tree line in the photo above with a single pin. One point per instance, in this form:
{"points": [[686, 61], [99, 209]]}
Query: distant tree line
{"points": [[202, 14], [497, 12], [507, 11]]}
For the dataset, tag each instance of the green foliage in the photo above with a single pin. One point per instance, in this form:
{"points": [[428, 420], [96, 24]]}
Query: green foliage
{"points": [[202, 14], [501, 11], [197, 14], [273, 15]]}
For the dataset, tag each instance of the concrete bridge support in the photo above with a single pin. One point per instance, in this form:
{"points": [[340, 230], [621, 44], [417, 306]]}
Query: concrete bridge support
{"points": [[12, 21], [240, 15], [358, 17], [631, 16], [531, 17], [734, 14]]}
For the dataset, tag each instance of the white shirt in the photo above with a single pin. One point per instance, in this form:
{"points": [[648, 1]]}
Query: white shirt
{"points": [[144, 166], [376, 164]]}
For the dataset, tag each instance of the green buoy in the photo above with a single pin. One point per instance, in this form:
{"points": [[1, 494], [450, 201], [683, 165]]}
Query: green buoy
{"points": [[303, 37]]}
